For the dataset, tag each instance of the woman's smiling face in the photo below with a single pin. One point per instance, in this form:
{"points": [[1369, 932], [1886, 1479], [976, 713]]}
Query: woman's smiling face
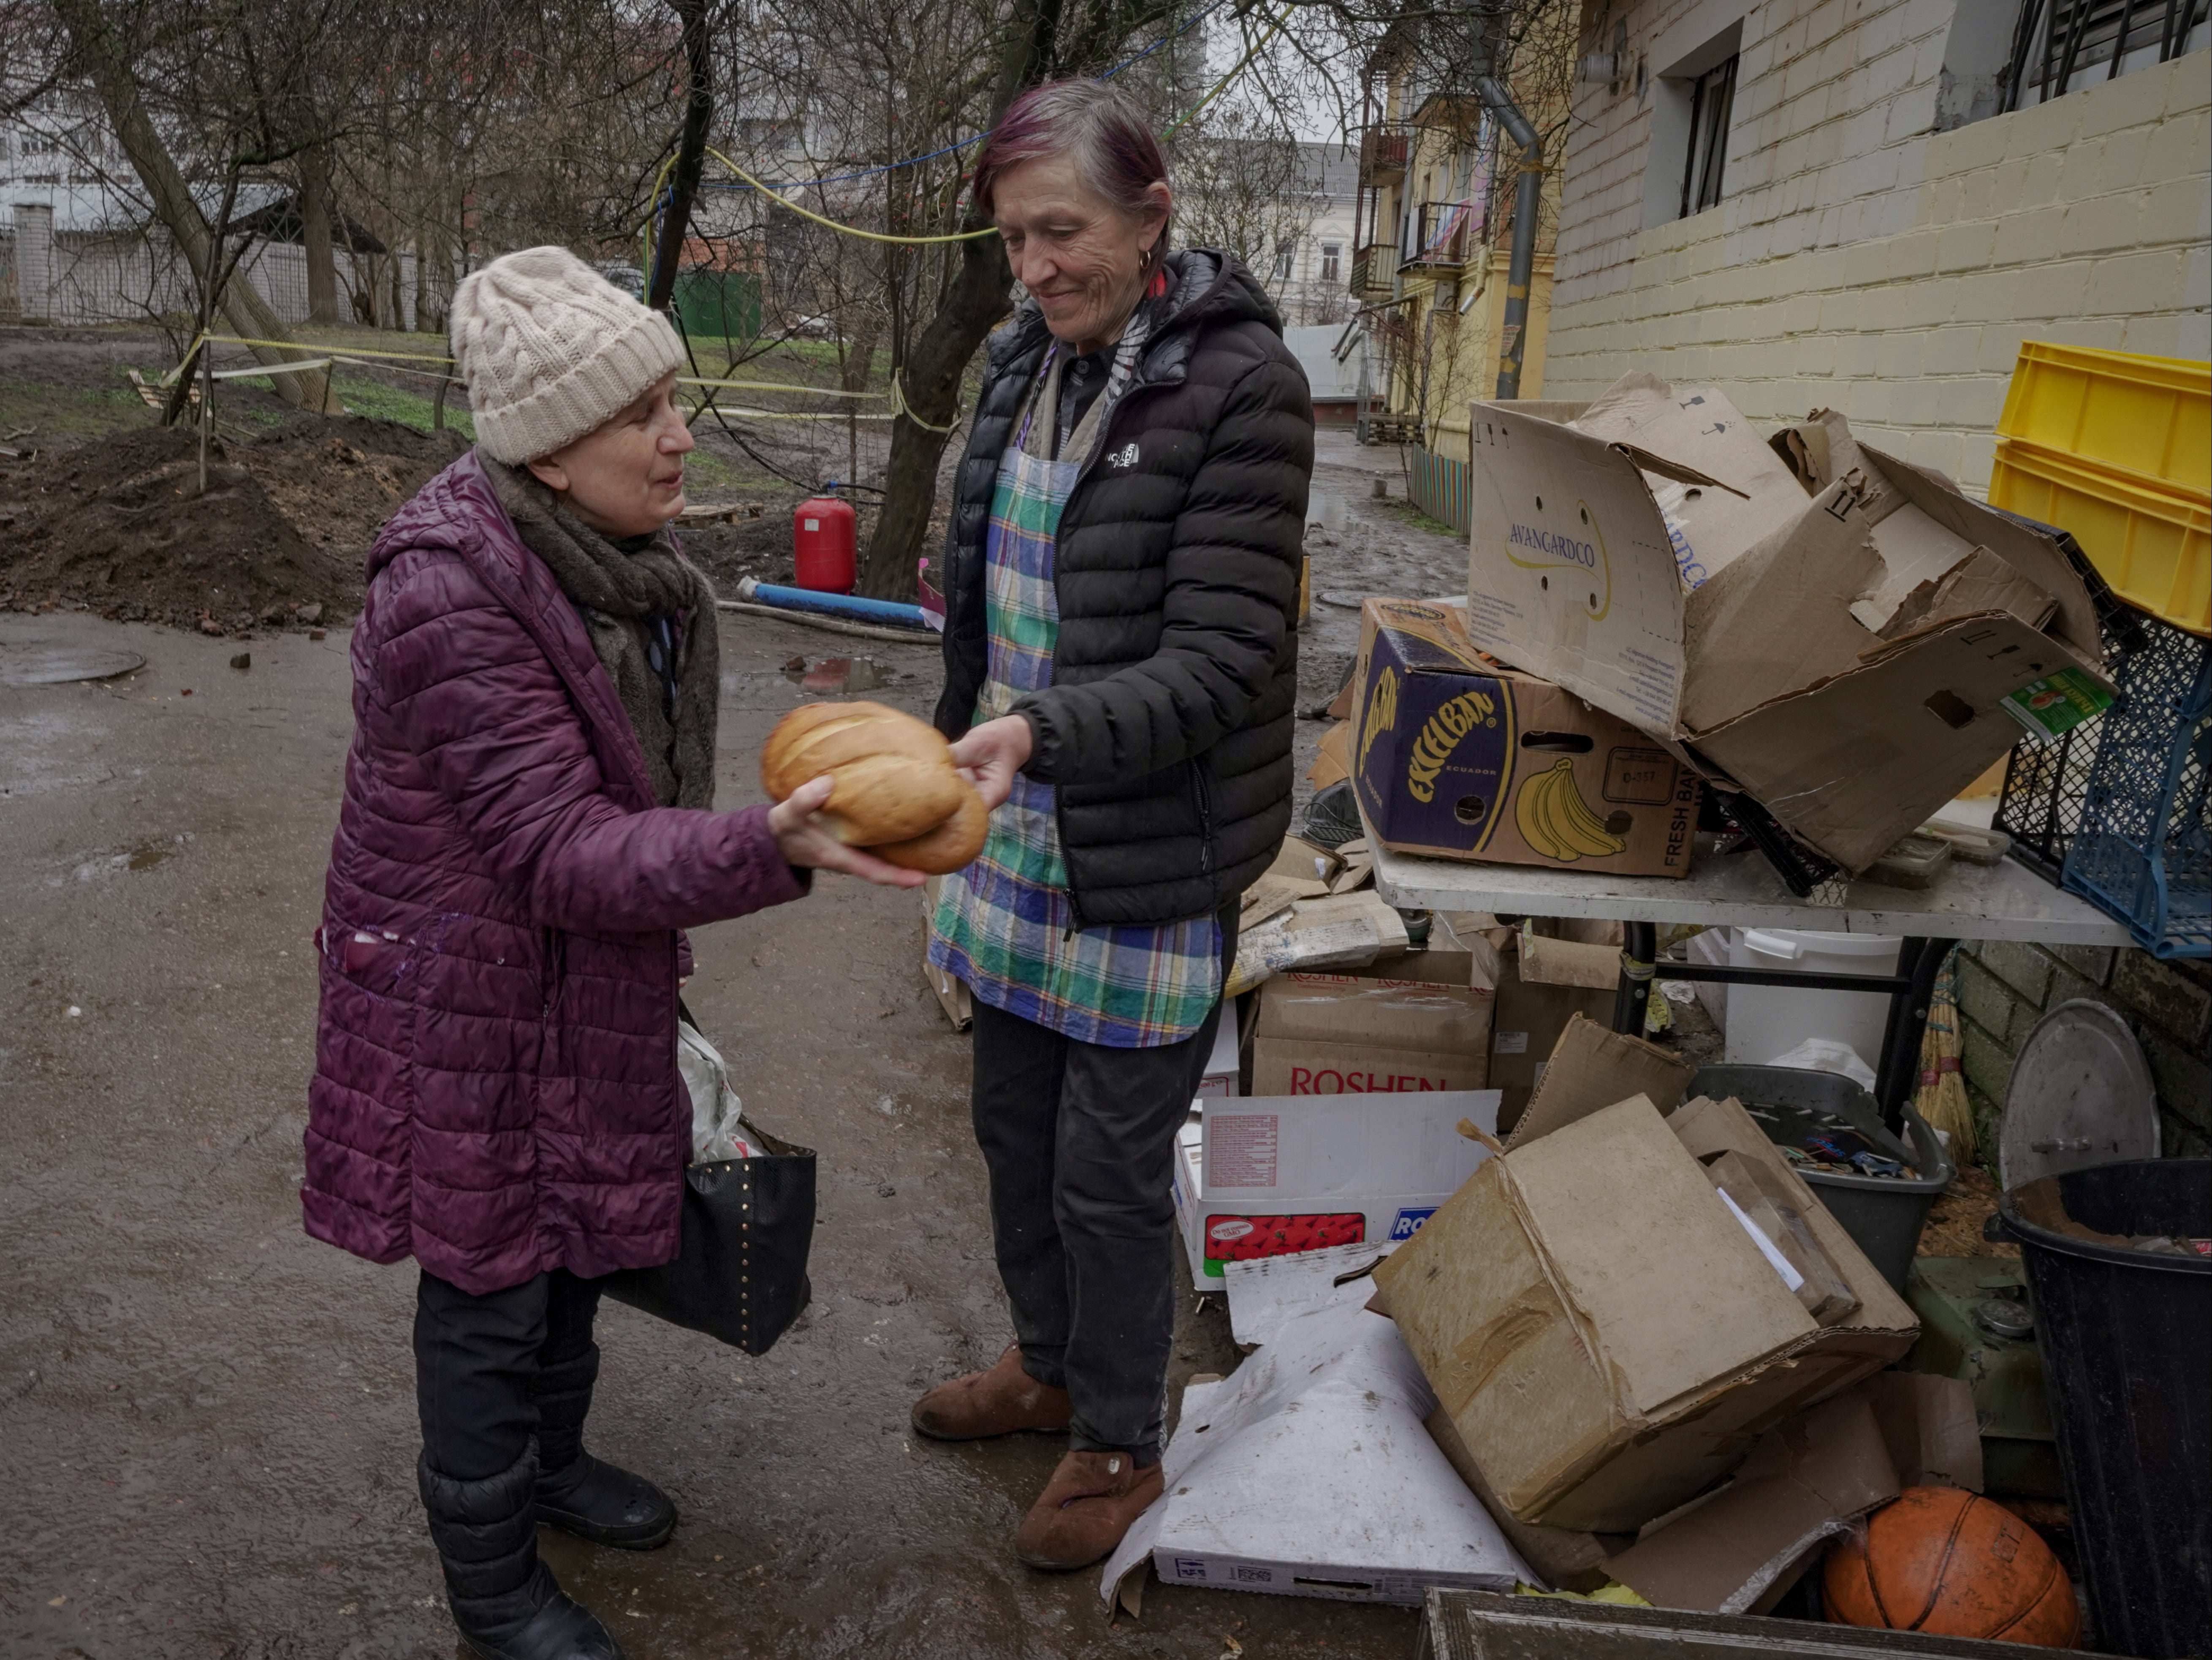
{"points": [[1079, 255], [625, 477]]}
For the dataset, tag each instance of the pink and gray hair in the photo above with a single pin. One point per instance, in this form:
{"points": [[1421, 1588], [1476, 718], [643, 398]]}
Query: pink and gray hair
{"points": [[1101, 127]]}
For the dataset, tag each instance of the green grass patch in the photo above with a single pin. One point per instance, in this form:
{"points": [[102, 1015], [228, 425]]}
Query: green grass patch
{"points": [[383, 402], [109, 404]]}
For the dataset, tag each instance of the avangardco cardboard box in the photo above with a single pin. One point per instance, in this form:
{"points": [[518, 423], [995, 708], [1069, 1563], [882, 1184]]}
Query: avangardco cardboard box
{"points": [[1850, 659], [1463, 759]]}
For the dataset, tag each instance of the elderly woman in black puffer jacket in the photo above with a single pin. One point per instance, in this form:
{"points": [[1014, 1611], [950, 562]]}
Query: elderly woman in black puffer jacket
{"points": [[1120, 668]]}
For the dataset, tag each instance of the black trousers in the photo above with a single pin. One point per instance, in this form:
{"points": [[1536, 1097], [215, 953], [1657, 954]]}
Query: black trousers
{"points": [[1080, 1141], [481, 1363]]}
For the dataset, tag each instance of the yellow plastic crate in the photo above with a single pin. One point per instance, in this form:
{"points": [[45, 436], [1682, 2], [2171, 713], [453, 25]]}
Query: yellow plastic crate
{"points": [[2153, 544], [2150, 416]]}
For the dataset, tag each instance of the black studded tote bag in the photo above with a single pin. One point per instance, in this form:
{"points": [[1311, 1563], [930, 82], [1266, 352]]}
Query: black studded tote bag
{"points": [[748, 1224]]}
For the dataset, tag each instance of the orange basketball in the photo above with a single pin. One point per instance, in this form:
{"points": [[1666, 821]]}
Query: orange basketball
{"points": [[1951, 1564]]}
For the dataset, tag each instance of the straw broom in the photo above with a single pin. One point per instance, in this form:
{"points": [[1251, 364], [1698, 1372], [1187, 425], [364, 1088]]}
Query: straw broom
{"points": [[1942, 1099]]}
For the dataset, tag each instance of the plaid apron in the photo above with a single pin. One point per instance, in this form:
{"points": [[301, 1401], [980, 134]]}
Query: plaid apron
{"points": [[1004, 924]]}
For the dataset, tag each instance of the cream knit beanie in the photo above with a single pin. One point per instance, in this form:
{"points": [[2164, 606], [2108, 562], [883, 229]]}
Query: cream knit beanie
{"points": [[550, 349]]}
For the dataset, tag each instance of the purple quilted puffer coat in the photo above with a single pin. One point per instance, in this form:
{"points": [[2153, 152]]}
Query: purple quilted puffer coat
{"points": [[496, 1091]]}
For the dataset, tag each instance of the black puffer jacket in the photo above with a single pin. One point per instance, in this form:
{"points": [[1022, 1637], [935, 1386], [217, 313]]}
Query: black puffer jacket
{"points": [[1166, 728]]}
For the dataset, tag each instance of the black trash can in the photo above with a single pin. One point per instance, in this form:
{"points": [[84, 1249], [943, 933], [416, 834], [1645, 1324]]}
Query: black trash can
{"points": [[2126, 1335]]}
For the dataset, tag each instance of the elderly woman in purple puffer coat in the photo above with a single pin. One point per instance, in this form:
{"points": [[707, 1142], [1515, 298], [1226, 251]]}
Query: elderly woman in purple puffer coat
{"points": [[527, 828]]}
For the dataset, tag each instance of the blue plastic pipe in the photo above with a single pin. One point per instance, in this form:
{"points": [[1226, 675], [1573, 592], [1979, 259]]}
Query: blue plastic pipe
{"points": [[888, 612]]}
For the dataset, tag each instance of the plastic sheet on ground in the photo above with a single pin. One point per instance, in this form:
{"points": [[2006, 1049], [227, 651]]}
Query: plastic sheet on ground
{"points": [[1308, 1474]]}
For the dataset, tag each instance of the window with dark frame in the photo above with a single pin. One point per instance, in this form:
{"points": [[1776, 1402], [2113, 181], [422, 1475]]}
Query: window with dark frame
{"points": [[2056, 44], [1710, 105], [1330, 253]]}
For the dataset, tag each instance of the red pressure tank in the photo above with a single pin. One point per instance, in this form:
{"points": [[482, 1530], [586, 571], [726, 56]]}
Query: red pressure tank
{"points": [[823, 542]]}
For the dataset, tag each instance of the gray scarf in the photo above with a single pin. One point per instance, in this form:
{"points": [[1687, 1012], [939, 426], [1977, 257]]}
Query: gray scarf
{"points": [[619, 589]]}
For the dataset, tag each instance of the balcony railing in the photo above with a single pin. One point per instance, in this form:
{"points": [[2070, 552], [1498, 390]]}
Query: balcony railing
{"points": [[1445, 235], [1383, 154], [1372, 269]]}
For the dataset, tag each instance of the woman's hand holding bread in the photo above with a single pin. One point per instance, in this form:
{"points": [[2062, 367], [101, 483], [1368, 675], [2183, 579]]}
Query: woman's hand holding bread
{"points": [[892, 788]]}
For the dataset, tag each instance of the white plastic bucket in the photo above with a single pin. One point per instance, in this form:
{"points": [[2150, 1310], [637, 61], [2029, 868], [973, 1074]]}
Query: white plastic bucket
{"points": [[1766, 1021]]}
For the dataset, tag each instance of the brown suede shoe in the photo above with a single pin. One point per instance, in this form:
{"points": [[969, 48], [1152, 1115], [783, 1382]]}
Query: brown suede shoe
{"points": [[1084, 1509], [999, 1401]]}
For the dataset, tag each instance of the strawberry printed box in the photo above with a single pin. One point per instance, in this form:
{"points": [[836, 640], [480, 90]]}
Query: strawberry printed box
{"points": [[1271, 1176]]}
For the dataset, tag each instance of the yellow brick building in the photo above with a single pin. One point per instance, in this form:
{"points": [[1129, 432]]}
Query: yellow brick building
{"points": [[1869, 205]]}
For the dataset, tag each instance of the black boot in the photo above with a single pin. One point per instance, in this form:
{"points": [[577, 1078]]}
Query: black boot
{"points": [[577, 1492], [505, 1600]]}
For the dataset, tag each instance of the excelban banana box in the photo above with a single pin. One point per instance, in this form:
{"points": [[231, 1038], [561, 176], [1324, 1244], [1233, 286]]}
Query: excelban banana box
{"points": [[1461, 758]]}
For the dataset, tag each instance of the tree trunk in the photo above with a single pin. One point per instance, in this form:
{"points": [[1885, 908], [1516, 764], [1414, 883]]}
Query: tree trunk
{"points": [[105, 59], [930, 378], [315, 234], [690, 152]]}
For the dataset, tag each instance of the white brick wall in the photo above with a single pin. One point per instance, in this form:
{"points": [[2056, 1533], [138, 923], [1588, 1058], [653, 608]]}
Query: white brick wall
{"points": [[1864, 262]]}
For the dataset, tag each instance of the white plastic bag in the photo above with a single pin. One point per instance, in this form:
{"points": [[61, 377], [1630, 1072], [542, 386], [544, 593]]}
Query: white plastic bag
{"points": [[717, 1114], [1825, 1054]]}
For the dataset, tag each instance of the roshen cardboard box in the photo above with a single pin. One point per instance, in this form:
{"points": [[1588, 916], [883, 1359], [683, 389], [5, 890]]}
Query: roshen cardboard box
{"points": [[1605, 1336], [1280, 1174], [1850, 660], [1463, 759], [1414, 1022]]}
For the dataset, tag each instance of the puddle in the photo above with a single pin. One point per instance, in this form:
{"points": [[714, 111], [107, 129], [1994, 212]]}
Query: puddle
{"points": [[54, 663]]}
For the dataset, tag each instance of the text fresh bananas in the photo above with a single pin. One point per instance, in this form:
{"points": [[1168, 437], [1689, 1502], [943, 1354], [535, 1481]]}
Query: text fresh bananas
{"points": [[1557, 822]]}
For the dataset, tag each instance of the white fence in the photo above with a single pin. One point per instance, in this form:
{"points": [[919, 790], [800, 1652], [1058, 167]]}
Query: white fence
{"points": [[98, 276]]}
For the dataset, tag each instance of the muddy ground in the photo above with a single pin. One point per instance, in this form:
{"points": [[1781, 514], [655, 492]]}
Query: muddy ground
{"points": [[210, 1434]]}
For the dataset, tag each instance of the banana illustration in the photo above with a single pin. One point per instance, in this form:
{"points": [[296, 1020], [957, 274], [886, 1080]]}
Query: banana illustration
{"points": [[1557, 822]]}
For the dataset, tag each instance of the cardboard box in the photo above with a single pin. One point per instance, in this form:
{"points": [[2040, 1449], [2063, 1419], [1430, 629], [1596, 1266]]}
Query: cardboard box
{"points": [[1846, 659], [1524, 1028], [1415, 1024], [1278, 1174], [1592, 1066], [1460, 758], [1605, 1337], [1219, 1079], [1740, 1547], [1804, 1483]]}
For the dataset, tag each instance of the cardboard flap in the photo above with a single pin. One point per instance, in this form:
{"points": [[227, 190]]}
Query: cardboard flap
{"points": [[1571, 571], [1925, 718], [1806, 1481], [1698, 438], [1590, 1069], [1672, 1292], [2036, 557], [1705, 1127], [1928, 1422], [1774, 623], [1917, 553], [1979, 584]]}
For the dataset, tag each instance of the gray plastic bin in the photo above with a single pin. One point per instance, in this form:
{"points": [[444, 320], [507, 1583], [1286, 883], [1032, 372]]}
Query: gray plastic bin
{"points": [[1883, 1214]]}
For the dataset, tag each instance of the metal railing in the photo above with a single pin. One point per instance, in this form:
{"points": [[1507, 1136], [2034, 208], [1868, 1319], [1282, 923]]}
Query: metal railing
{"points": [[1445, 235], [1383, 151], [1372, 267]]}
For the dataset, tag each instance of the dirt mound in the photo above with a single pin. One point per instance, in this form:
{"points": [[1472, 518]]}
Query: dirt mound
{"points": [[119, 525]]}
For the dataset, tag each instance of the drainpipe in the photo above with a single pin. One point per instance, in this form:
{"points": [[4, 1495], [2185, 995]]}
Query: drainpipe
{"points": [[1526, 203]]}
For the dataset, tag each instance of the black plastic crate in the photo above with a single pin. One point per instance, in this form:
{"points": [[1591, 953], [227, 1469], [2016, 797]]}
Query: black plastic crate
{"points": [[2047, 785]]}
